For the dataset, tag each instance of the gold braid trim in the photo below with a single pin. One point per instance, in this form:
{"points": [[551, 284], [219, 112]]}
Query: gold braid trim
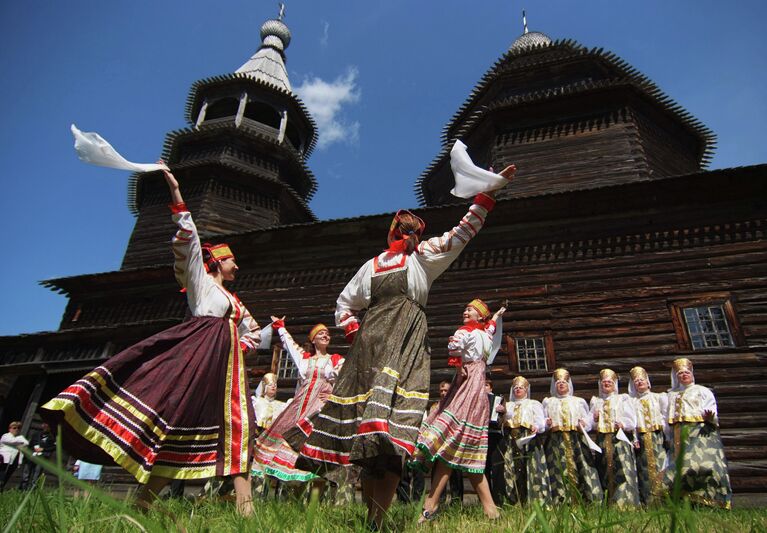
{"points": [[652, 467], [570, 461]]}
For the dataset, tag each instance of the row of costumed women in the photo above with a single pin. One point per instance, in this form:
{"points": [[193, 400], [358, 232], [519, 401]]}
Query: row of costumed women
{"points": [[636, 452]]}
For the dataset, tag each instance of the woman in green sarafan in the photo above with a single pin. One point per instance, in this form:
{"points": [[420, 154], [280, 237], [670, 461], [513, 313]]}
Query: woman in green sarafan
{"points": [[525, 473], [652, 415], [572, 470], [692, 410], [613, 416]]}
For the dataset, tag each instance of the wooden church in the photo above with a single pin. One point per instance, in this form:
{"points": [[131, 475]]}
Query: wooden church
{"points": [[615, 246]]}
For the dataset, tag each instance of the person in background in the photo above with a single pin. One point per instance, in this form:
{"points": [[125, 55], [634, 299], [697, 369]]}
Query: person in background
{"points": [[652, 423], [526, 473], [568, 455], [494, 462], [692, 410], [44, 446], [10, 452], [614, 415]]}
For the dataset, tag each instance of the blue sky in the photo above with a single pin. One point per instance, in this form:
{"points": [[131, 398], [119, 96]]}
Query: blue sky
{"points": [[386, 75]]}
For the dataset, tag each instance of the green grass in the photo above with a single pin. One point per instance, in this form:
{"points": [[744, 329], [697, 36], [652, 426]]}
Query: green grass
{"points": [[46, 510]]}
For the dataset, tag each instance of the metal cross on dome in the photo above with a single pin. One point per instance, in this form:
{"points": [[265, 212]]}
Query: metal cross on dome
{"points": [[282, 11]]}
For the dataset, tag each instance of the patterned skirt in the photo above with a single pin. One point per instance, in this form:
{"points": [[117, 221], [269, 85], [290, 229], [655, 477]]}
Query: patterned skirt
{"points": [[573, 473], [525, 472], [374, 414], [617, 470], [704, 478], [176, 405], [456, 432], [651, 461], [274, 454]]}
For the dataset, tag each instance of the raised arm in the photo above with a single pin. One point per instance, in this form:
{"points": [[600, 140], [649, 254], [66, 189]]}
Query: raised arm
{"points": [[295, 351], [436, 254]]}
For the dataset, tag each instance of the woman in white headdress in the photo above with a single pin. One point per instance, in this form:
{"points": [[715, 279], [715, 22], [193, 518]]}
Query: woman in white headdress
{"points": [[651, 410], [569, 458], [525, 472], [266, 406], [692, 415], [614, 415]]}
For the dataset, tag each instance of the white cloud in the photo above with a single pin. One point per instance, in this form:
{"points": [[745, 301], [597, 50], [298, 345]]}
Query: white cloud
{"points": [[325, 29], [326, 102]]}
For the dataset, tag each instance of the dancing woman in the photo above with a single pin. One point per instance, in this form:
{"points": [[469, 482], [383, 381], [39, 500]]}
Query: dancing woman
{"points": [[372, 418], [692, 410], [176, 405], [651, 412], [614, 415], [570, 461], [456, 433], [317, 371], [526, 473]]}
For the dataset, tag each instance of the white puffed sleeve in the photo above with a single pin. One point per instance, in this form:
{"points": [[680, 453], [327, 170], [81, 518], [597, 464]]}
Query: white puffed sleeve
{"points": [[436, 254], [583, 413], [187, 252], [539, 416], [295, 352], [249, 331], [627, 415], [355, 297]]}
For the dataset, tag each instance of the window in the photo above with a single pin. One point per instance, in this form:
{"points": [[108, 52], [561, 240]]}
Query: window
{"points": [[284, 367], [707, 327], [531, 353], [226, 107], [708, 323], [263, 113]]}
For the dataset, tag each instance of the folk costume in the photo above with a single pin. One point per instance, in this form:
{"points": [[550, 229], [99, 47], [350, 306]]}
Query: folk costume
{"points": [[176, 405], [457, 431], [266, 409], [570, 460], [704, 479], [373, 417], [525, 472], [317, 373], [616, 463], [651, 410]]}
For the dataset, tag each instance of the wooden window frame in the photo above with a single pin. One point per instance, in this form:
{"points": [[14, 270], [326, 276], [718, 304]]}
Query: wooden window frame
{"points": [[726, 300], [548, 344], [275, 369]]}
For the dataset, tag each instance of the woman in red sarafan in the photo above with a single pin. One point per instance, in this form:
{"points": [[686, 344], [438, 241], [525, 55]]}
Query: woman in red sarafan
{"points": [[176, 405]]}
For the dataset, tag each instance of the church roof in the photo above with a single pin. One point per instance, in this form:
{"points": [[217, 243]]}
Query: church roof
{"points": [[268, 63]]}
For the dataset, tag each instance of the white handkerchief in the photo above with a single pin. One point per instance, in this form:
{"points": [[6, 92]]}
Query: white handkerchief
{"points": [[522, 441], [471, 180], [266, 337], [497, 339], [94, 149], [620, 435], [592, 445]]}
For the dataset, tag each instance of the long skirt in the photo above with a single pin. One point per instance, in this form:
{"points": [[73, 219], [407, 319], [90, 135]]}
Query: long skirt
{"points": [[373, 416], [572, 469], [617, 470], [525, 472], [456, 432], [651, 461], [176, 405], [704, 476], [274, 455]]}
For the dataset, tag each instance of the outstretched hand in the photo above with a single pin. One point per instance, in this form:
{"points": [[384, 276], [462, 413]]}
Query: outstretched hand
{"points": [[498, 313], [509, 172], [170, 179]]}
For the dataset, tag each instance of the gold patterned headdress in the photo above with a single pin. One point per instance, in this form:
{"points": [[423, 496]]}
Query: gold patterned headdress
{"points": [[638, 372], [606, 373], [682, 364], [560, 374], [480, 307], [520, 381], [316, 329]]}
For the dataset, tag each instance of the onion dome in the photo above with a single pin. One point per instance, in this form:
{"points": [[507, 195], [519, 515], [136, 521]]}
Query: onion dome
{"points": [[528, 40]]}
